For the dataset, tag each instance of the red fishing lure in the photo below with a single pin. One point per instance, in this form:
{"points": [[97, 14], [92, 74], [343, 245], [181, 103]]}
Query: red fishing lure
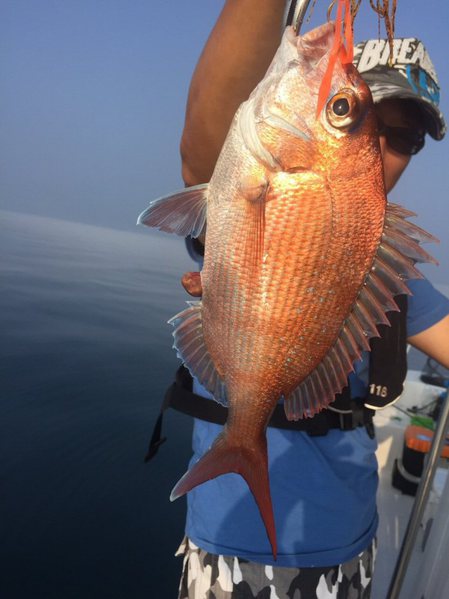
{"points": [[342, 48]]}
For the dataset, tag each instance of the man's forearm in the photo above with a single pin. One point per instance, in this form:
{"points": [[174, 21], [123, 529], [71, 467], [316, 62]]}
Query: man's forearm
{"points": [[235, 58], [434, 341]]}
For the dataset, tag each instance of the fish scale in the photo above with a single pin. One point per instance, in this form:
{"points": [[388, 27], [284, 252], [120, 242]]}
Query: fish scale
{"points": [[303, 255]]}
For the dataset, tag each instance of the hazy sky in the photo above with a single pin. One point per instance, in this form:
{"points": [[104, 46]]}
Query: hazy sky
{"points": [[93, 97]]}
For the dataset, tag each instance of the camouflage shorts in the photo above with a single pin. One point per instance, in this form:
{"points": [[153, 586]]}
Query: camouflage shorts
{"points": [[208, 576]]}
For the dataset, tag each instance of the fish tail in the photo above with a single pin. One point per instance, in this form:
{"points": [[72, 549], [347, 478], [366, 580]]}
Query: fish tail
{"points": [[250, 462]]}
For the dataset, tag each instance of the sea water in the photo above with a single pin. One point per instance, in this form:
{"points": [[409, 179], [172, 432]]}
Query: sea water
{"points": [[85, 358]]}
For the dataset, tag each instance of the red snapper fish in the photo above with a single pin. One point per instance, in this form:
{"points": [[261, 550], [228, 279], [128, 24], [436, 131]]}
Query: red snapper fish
{"points": [[303, 255]]}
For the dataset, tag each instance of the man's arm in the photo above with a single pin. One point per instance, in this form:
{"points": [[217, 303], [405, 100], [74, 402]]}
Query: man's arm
{"points": [[434, 341], [235, 58]]}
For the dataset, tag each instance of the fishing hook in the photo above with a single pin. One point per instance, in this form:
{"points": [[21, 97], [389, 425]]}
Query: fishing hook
{"points": [[330, 9]]}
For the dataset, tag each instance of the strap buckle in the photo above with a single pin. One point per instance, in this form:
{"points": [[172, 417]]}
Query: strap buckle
{"points": [[358, 416], [352, 418]]}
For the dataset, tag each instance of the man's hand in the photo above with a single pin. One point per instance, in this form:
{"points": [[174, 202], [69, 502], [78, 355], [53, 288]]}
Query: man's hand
{"points": [[191, 281]]}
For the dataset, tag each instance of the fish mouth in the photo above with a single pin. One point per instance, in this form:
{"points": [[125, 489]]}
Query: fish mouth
{"points": [[315, 44], [320, 35]]}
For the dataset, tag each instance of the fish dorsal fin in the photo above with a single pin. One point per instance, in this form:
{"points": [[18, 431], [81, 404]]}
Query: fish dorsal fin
{"points": [[183, 212], [394, 263], [191, 349]]}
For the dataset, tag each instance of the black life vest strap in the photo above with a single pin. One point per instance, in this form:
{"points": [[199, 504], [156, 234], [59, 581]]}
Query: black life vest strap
{"points": [[180, 397]]}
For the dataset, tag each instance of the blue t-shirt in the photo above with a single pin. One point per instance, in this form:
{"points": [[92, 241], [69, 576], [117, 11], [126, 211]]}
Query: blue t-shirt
{"points": [[323, 488]]}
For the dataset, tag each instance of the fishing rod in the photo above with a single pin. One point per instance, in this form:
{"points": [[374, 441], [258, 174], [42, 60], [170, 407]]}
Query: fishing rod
{"points": [[419, 505]]}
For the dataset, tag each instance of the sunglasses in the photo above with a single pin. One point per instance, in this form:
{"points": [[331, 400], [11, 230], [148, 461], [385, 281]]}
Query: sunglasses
{"points": [[403, 140]]}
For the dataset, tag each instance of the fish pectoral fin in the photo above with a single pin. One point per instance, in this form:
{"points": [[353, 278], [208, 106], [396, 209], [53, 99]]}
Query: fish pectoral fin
{"points": [[251, 463], [183, 213], [191, 349]]}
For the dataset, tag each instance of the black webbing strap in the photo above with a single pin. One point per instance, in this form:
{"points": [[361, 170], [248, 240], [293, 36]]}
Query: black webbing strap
{"points": [[180, 397]]}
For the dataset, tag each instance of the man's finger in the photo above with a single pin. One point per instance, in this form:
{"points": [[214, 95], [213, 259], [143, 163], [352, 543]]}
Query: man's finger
{"points": [[191, 281]]}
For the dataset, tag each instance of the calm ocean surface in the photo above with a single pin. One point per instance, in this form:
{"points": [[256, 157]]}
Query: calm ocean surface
{"points": [[85, 358]]}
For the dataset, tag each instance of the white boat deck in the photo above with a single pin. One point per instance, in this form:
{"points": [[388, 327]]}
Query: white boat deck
{"points": [[395, 507]]}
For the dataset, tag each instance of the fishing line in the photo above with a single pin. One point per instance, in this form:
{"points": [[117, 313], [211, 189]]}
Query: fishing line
{"points": [[383, 11]]}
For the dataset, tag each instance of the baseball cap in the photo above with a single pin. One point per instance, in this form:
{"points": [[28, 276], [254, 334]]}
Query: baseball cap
{"points": [[412, 76]]}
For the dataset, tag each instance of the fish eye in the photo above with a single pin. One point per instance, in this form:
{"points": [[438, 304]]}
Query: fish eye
{"points": [[343, 109]]}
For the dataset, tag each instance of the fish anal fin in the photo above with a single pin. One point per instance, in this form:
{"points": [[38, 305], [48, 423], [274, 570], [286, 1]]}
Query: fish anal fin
{"points": [[183, 213], [191, 349], [251, 462]]}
